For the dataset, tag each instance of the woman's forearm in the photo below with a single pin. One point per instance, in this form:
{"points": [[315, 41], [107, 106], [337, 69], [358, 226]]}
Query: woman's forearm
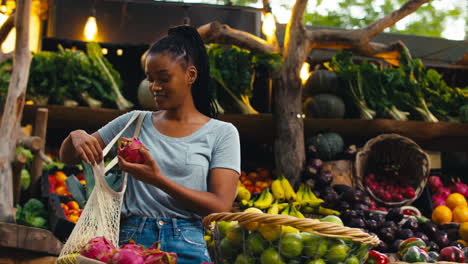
{"points": [[68, 153], [203, 203]]}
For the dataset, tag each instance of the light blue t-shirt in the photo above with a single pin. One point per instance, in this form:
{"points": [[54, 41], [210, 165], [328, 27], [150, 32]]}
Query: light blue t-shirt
{"points": [[186, 161]]}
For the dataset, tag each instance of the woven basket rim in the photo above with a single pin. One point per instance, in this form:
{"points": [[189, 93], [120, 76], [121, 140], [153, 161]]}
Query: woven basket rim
{"points": [[313, 226], [367, 149]]}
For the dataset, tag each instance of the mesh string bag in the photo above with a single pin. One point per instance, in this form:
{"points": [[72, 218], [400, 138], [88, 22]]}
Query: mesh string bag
{"points": [[101, 215]]}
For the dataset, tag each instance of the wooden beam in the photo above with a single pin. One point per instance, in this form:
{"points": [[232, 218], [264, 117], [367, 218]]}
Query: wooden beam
{"points": [[13, 110]]}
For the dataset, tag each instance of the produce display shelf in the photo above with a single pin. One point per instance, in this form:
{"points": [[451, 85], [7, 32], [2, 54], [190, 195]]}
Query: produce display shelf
{"points": [[442, 136]]}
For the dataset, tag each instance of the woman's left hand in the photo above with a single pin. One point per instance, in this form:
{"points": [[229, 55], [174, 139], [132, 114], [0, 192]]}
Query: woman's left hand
{"points": [[147, 172]]}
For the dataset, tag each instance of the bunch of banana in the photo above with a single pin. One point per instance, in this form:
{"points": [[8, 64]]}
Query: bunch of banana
{"points": [[327, 211], [292, 211], [289, 193], [246, 203], [274, 209], [242, 192], [306, 197], [277, 189], [264, 200]]}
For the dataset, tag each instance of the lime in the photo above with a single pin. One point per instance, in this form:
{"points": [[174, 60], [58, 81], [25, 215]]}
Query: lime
{"points": [[235, 234], [291, 245], [271, 256], [244, 259], [270, 232], [227, 249], [337, 253], [314, 246], [255, 244], [223, 227], [362, 252], [332, 219], [295, 261], [352, 260], [317, 261]]}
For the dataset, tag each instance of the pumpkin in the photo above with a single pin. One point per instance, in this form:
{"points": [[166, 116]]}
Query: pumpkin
{"points": [[321, 81], [324, 106], [464, 113], [328, 145]]}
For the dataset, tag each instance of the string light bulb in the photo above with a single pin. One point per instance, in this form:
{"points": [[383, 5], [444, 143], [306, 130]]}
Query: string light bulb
{"points": [[91, 29], [305, 72], [269, 25]]}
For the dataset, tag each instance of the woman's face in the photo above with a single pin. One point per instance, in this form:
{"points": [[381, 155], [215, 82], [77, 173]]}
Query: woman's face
{"points": [[170, 80]]}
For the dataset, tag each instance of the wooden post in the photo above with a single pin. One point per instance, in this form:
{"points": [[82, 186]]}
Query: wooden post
{"points": [[40, 130], [13, 110], [18, 166]]}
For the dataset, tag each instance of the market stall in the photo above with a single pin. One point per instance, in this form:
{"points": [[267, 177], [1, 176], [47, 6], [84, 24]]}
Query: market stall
{"points": [[359, 158]]}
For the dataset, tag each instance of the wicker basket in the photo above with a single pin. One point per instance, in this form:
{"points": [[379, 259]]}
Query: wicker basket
{"points": [[393, 155], [331, 231]]}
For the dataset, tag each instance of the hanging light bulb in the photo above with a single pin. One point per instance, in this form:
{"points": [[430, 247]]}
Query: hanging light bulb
{"points": [[305, 72], [90, 30], [269, 25]]}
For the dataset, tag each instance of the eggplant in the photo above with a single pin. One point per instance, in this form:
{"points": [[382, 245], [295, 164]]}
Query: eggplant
{"points": [[360, 213], [382, 247], [429, 229], [411, 223], [456, 244], [390, 224], [441, 238], [394, 215], [433, 246], [357, 223], [422, 236], [358, 196], [366, 200], [346, 216], [341, 188], [452, 230], [404, 233], [309, 172], [395, 245], [348, 195], [387, 234], [372, 225], [331, 198], [325, 178], [361, 207], [379, 218], [343, 206]]}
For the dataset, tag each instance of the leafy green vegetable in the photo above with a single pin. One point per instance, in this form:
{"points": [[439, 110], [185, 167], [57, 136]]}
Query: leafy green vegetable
{"points": [[25, 179], [108, 73], [33, 213], [6, 68], [232, 69], [342, 64]]}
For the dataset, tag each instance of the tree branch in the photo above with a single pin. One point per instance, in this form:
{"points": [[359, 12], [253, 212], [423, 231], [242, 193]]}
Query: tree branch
{"points": [[216, 32], [389, 20], [7, 27]]}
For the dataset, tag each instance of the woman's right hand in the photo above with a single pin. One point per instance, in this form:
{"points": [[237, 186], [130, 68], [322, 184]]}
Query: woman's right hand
{"points": [[87, 147]]}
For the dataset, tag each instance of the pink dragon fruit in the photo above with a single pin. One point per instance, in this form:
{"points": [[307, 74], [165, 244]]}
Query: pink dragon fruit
{"points": [[129, 149], [435, 183], [127, 256], [438, 200], [444, 192], [460, 188], [98, 248], [134, 247], [161, 257]]}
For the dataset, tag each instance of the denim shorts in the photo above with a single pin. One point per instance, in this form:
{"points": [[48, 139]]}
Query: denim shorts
{"points": [[183, 237]]}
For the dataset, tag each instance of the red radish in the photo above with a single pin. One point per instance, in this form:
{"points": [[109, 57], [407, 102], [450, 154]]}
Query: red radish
{"points": [[444, 192], [387, 196], [397, 197], [438, 200], [371, 176], [129, 149], [409, 193], [127, 256], [98, 248], [460, 188], [435, 183]]}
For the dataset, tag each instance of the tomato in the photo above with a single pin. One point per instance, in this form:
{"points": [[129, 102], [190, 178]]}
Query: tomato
{"points": [[73, 218], [64, 207], [60, 177], [61, 190], [73, 205], [252, 175], [83, 182]]}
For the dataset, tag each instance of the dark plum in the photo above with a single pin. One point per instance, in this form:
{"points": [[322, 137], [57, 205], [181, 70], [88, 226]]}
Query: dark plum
{"points": [[404, 233], [372, 225], [379, 218], [394, 215], [422, 236], [366, 200], [324, 178], [387, 234], [358, 196], [395, 245], [348, 195], [456, 244], [361, 207], [390, 224], [411, 223], [309, 172], [382, 247], [433, 246], [357, 223], [441, 238], [343, 206], [331, 198]]}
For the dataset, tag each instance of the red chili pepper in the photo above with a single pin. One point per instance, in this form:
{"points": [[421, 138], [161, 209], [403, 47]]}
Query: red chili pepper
{"points": [[376, 257]]}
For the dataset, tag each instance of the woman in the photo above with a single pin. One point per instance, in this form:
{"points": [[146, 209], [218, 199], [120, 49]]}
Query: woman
{"points": [[192, 163]]}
